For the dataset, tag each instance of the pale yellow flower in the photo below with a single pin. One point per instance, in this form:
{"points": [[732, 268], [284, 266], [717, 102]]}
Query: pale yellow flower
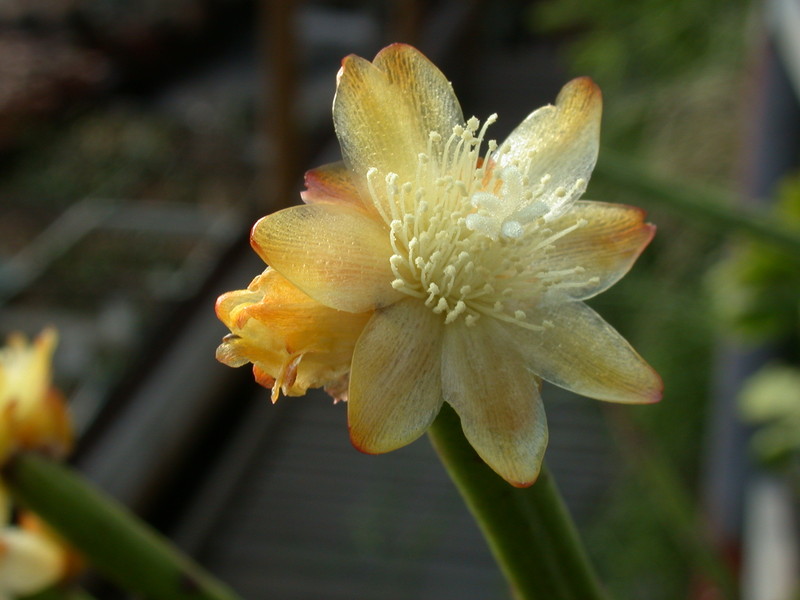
{"points": [[29, 559], [453, 276], [32, 412]]}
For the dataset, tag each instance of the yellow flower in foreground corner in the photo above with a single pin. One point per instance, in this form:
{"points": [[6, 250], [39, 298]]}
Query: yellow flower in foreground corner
{"points": [[29, 559], [432, 274], [32, 412]]}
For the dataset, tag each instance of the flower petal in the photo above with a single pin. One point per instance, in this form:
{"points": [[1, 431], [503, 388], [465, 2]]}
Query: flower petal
{"points": [[28, 562], [384, 111], [605, 246], [579, 351], [497, 398], [423, 87], [395, 385], [34, 412], [559, 143], [293, 341], [334, 253], [330, 183]]}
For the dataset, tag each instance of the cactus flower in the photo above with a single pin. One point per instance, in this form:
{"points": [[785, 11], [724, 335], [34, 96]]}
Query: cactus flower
{"points": [[33, 414], [435, 265]]}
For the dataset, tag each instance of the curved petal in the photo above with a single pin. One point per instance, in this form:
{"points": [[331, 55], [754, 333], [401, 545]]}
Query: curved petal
{"points": [[331, 183], [579, 351], [335, 254], [384, 111], [423, 87], [603, 249], [497, 399], [395, 385], [559, 143], [34, 411], [293, 341], [30, 562], [228, 306]]}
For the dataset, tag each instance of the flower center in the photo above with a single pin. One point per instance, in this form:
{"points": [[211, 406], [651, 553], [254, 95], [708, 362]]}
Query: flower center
{"points": [[466, 234]]}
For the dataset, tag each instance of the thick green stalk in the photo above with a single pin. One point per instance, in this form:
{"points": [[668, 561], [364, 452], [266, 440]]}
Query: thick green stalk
{"points": [[118, 545], [707, 207], [528, 530]]}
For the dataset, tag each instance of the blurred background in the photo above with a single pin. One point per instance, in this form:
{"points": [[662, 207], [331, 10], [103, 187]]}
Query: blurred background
{"points": [[139, 140]]}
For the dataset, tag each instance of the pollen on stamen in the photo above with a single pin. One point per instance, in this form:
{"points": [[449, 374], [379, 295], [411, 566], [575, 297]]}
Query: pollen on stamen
{"points": [[512, 230], [441, 306], [458, 309], [463, 233]]}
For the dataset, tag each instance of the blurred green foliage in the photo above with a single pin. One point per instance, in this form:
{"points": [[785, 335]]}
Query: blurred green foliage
{"points": [[756, 295], [756, 290], [645, 41], [771, 399]]}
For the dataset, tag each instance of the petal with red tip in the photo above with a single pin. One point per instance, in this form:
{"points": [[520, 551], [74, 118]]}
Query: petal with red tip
{"points": [[497, 398], [331, 183], [395, 385], [334, 253], [577, 350], [556, 146], [384, 111], [600, 251]]}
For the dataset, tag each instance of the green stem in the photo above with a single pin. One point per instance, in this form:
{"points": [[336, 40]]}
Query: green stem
{"points": [[118, 545], [528, 530], [709, 207]]}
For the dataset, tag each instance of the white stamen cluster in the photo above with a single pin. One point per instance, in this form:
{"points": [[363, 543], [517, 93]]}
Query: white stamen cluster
{"points": [[468, 236]]}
